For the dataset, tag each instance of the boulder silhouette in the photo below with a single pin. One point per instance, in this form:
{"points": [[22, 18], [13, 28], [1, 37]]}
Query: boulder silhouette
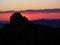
{"points": [[17, 18], [21, 32]]}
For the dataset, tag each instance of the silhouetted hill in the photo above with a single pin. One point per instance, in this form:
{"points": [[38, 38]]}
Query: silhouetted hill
{"points": [[48, 22], [31, 34]]}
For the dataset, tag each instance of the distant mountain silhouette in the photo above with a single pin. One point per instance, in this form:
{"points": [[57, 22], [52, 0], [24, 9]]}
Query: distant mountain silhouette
{"points": [[39, 10], [48, 22], [43, 10], [21, 32]]}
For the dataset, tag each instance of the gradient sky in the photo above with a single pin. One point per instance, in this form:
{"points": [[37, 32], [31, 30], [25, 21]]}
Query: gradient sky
{"points": [[32, 15], [6, 5]]}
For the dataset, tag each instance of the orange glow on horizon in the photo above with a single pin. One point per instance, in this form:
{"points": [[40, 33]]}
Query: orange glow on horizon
{"points": [[32, 15], [5, 16]]}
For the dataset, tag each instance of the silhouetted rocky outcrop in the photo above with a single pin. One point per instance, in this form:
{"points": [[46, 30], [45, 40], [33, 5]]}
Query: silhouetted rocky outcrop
{"points": [[21, 32]]}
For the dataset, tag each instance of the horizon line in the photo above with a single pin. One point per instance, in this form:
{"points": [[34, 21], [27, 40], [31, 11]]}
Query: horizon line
{"points": [[36, 19], [30, 9]]}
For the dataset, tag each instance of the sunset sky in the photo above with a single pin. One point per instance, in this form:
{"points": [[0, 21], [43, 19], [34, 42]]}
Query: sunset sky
{"points": [[6, 5], [16, 5]]}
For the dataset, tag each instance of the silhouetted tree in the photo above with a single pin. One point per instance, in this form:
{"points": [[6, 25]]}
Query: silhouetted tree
{"points": [[18, 19]]}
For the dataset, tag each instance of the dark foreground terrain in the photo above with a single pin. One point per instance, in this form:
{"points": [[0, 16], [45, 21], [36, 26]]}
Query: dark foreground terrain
{"points": [[30, 35], [22, 32]]}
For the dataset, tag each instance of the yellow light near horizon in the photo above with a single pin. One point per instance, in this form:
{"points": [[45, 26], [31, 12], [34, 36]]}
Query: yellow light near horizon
{"points": [[28, 4]]}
